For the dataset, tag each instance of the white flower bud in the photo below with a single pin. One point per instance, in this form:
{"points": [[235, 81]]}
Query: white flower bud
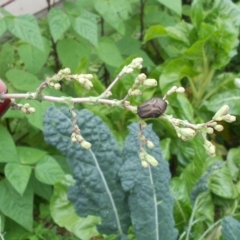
{"points": [[218, 127], [24, 110], [229, 118], [180, 90], [57, 86], [108, 94], [136, 62], [141, 76], [209, 147], [87, 84], [221, 112], [150, 83], [187, 132], [89, 76], [151, 160], [66, 71], [135, 92], [142, 156], [129, 70], [31, 110], [173, 89], [86, 144], [150, 144], [79, 138], [144, 164], [26, 105], [210, 130]]}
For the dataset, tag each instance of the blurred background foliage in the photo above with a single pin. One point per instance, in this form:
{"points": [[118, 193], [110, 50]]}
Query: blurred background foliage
{"points": [[189, 43]]}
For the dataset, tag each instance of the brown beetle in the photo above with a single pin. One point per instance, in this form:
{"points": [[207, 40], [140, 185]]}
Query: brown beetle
{"points": [[152, 108]]}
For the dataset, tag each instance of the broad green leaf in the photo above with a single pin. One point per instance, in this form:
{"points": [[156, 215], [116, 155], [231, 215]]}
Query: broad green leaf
{"points": [[71, 52], [22, 80], [86, 26], [229, 97], [41, 189], [150, 199], [173, 71], [48, 170], [13, 205], [3, 26], [182, 107], [202, 184], [221, 183], [33, 58], [175, 5], [63, 212], [6, 59], [58, 22], [18, 175], [197, 13], [30, 155], [108, 52], [155, 31], [165, 147], [230, 228], [97, 190], [114, 12], [26, 28], [2, 222], [205, 208], [8, 151], [62, 161], [182, 206], [233, 162]]}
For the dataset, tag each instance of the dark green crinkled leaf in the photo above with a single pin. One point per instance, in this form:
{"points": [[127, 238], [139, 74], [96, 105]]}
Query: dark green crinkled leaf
{"points": [[97, 190], [202, 184], [230, 228], [150, 201]]}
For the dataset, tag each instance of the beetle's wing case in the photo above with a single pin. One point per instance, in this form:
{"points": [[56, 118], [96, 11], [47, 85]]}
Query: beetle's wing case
{"points": [[152, 108]]}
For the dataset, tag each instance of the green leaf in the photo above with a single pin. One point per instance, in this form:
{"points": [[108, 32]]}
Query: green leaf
{"points": [[202, 184], [3, 26], [22, 80], [221, 183], [155, 31], [86, 26], [33, 58], [26, 28], [8, 151], [165, 147], [175, 5], [229, 97], [114, 12], [13, 205], [30, 155], [71, 52], [205, 208], [182, 107], [233, 162], [41, 189], [6, 59], [48, 170], [58, 22], [63, 212], [197, 13], [150, 199], [182, 206], [18, 175], [108, 52], [230, 228], [173, 71], [97, 190]]}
